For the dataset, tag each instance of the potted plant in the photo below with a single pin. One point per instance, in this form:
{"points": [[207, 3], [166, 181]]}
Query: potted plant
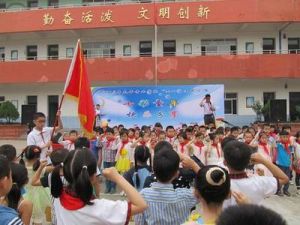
{"points": [[261, 110]]}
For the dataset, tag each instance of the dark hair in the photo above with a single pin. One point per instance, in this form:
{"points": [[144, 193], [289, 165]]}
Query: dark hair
{"points": [[123, 131], [19, 178], [286, 127], [4, 167], [227, 140], [182, 134], [30, 153], [189, 129], [131, 129], [212, 136], [237, 155], [169, 127], [38, 115], [245, 127], [73, 132], [183, 125], [78, 167], [283, 132], [207, 95], [165, 164], [250, 215], [110, 130], [213, 184], [158, 125], [82, 142], [141, 154], [9, 151], [297, 134], [198, 134], [58, 156], [235, 128]]}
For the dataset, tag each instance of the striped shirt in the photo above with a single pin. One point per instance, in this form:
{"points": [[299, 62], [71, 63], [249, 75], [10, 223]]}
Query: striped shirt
{"points": [[16, 221], [109, 150], [166, 205], [9, 216]]}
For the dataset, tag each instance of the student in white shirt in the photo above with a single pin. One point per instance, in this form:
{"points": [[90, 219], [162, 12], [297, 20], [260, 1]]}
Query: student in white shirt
{"points": [[208, 109], [69, 143], [237, 157], [41, 135], [76, 204]]}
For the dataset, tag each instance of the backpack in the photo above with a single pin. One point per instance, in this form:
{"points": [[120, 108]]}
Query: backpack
{"points": [[142, 174]]}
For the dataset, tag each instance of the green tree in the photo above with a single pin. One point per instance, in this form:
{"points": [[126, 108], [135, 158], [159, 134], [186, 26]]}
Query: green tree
{"points": [[8, 112]]}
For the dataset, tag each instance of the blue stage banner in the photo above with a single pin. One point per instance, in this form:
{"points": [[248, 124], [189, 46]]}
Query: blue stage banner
{"points": [[146, 105]]}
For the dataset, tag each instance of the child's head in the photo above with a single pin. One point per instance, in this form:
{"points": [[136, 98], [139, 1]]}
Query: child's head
{"points": [[284, 136], [57, 157], [234, 131], [82, 142], [124, 135], [170, 131], [237, 155], [263, 138], [165, 162], [153, 135], [19, 179], [145, 136], [39, 120], [212, 184], [182, 137], [199, 136], [287, 128], [116, 130], [79, 169], [266, 128], [120, 127], [141, 156], [9, 151], [248, 137], [202, 129], [158, 127], [249, 215], [5, 176], [189, 132], [137, 134], [110, 133], [162, 136], [73, 135], [252, 131], [245, 128], [131, 132], [214, 138]]}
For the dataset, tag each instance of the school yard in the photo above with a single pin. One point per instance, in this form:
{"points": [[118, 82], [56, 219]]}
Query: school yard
{"points": [[286, 206]]}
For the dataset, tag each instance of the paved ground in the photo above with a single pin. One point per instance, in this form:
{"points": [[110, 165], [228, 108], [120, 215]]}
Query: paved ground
{"points": [[286, 206]]}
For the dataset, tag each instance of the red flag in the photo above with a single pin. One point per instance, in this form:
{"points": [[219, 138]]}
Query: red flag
{"points": [[78, 86]]}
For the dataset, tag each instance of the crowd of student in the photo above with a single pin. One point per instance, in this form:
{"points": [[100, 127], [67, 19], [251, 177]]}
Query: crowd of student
{"points": [[192, 175]]}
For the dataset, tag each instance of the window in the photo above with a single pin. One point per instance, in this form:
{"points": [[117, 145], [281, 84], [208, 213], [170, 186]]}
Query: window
{"points": [[249, 47], [52, 51], [32, 100], [294, 45], [2, 5], [31, 52], [2, 53], [145, 48], [230, 103], [218, 46], [99, 49], [69, 52], [53, 3], [187, 49], [126, 50], [2, 98], [169, 47], [268, 45], [14, 55], [32, 3]]}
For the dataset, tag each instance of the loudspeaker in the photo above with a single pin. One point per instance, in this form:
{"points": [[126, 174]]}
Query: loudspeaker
{"points": [[278, 110]]}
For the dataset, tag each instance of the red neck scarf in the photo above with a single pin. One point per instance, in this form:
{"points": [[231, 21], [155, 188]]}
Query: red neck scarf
{"points": [[247, 142], [123, 144], [238, 176], [69, 202], [298, 142], [143, 143], [218, 150], [170, 138], [199, 144], [182, 146], [265, 147], [286, 146], [109, 141]]}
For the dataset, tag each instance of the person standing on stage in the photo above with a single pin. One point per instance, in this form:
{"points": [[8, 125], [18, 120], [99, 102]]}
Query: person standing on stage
{"points": [[209, 110], [98, 116]]}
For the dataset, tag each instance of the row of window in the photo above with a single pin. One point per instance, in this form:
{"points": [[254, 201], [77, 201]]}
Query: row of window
{"points": [[107, 49]]}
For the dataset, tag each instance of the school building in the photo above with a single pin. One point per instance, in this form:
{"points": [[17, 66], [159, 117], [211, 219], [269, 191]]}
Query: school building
{"points": [[250, 46]]}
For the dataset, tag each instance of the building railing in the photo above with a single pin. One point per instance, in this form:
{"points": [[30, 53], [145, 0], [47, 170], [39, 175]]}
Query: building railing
{"points": [[104, 2], [160, 54]]}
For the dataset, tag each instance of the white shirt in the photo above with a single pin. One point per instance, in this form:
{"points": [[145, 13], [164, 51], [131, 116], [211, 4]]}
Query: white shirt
{"points": [[68, 145], [102, 212], [199, 153], [39, 138], [207, 107], [256, 188]]}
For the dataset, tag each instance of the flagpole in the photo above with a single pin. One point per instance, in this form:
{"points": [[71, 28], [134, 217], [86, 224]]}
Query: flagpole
{"points": [[63, 95]]}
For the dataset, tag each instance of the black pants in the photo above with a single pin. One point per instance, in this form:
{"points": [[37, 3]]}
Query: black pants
{"points": [[297, 180], [209, 118]]}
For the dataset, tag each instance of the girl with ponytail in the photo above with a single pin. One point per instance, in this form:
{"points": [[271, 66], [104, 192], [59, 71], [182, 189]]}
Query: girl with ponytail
{"points": [[75, 203], [14, 198], [137, 175]]}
